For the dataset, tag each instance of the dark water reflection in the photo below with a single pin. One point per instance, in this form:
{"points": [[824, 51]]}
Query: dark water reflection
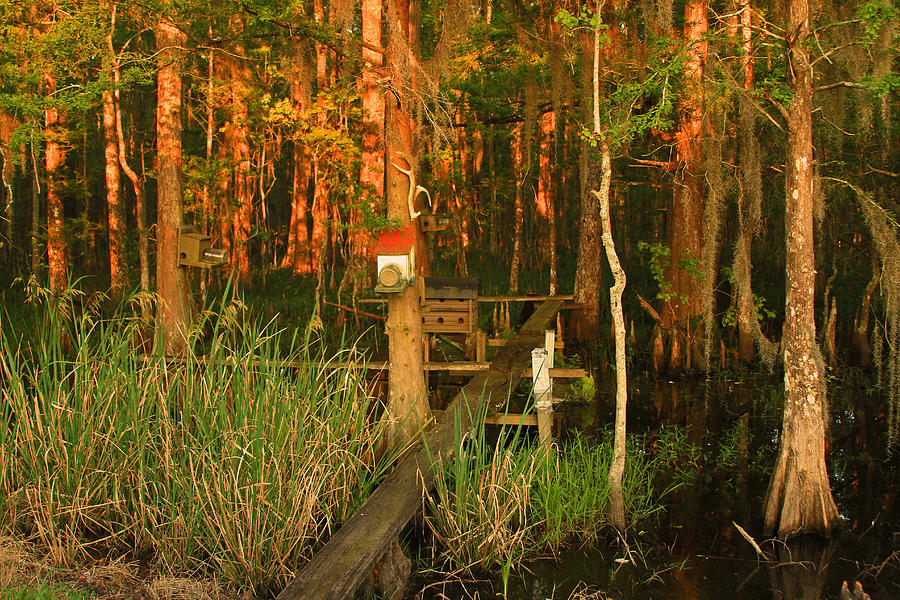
{"points": [[730, 430]]}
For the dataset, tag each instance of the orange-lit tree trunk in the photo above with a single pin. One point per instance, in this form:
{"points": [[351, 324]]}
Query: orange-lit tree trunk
{"points": [[240, 155], [519, 208], [543, 200], [54, 161], [173, 309], [799, 498], [297, 253], [588, 270], [320, 209], [137, 182], [683, 305], [115, 211], [408, 399], [371, 175]]}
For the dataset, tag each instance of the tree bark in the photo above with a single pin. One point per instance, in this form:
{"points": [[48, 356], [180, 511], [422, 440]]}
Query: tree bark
{"points": [[297, 253], [240, 155], [799, 498], [588, 270], [371, 174], [36, 253], [518, 210], [54, 162], [543, 200], [685, 223], [408, 407], [137, 182], [616, 509], [115, 210], [173, 312], [320, 208]]}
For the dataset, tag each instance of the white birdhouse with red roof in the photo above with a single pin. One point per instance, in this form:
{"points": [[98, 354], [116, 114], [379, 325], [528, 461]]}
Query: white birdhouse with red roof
{"points": [[396, 252]]}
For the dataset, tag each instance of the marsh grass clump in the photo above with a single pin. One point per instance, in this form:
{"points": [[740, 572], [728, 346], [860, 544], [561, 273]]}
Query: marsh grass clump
{"points": [[498, 504], [238, 463]]}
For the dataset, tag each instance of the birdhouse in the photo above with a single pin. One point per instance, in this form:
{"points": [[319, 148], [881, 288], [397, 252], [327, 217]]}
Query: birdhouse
{"points": [[396, 253], [195, 250]]}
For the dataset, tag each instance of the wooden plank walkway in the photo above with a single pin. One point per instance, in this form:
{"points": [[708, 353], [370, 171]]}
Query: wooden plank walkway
{"points": [[340, 567]]}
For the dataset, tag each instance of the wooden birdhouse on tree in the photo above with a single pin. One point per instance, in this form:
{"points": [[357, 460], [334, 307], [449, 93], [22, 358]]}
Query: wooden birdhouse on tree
{"points": [[396, 255]]}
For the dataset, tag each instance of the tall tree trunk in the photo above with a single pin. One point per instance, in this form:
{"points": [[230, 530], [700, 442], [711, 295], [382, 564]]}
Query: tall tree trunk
{"points": [[616, 510], [518, 210], [685, 223], [543, 200], [408, 400], [115, 210], [588, 270], [799, 498], [137, 182], [54, 162], [36, 253], [320, 210], [371, 175], [7, 172], [240, 155], [297, 252], [173, 312]]}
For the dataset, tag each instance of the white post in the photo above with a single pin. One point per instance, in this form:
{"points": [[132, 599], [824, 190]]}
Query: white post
{"points": [[541, 360]]}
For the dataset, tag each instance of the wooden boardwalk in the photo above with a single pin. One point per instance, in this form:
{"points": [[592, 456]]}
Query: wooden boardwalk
{"points": [[341, 566]]}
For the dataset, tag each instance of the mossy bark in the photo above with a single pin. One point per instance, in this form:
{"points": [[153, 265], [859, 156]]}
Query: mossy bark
{"points": [[799, 498]]}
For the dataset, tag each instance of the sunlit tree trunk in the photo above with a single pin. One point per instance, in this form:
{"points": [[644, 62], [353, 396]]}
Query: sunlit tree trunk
{"points": [[408, 401], [543, 200], [799, 498], [320, 209], [588, 270], [115, 211], [518, 210], [54, 161], [173, 309], [371, 175], [137, 182], [297, 254], [240, 155], [36, 252], [685, 224]]}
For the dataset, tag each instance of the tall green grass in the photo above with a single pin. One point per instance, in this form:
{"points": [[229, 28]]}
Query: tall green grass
{"points": [[497, 504], [234, 465]]}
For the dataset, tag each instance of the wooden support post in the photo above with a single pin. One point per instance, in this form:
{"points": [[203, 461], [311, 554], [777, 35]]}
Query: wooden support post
{"points": [[541, 360], [550, 345], [480, 346], [545, 423]]}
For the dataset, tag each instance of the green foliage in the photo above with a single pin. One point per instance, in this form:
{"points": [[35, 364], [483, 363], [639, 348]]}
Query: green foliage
{"points": [[658, 256], [729, 319], [874, 15], [43, 592], [586, 18]]}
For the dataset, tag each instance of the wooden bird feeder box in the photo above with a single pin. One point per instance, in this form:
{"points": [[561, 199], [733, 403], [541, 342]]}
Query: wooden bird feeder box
{"points": [[195, 250], [396, 252], [431, 223], [450, 305]]}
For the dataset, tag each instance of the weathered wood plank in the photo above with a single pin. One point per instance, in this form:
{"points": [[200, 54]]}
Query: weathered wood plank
{"points": [[338, 569]]}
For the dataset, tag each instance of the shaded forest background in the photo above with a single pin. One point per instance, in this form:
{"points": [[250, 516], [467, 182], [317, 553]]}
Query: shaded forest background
{"points": [[283, 162]]}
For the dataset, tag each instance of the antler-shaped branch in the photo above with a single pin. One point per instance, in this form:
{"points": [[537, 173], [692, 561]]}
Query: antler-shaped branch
{"points": [[414, 190]]}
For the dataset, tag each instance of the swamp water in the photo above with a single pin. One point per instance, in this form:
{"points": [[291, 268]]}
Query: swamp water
{"points": [[722, 439]]}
